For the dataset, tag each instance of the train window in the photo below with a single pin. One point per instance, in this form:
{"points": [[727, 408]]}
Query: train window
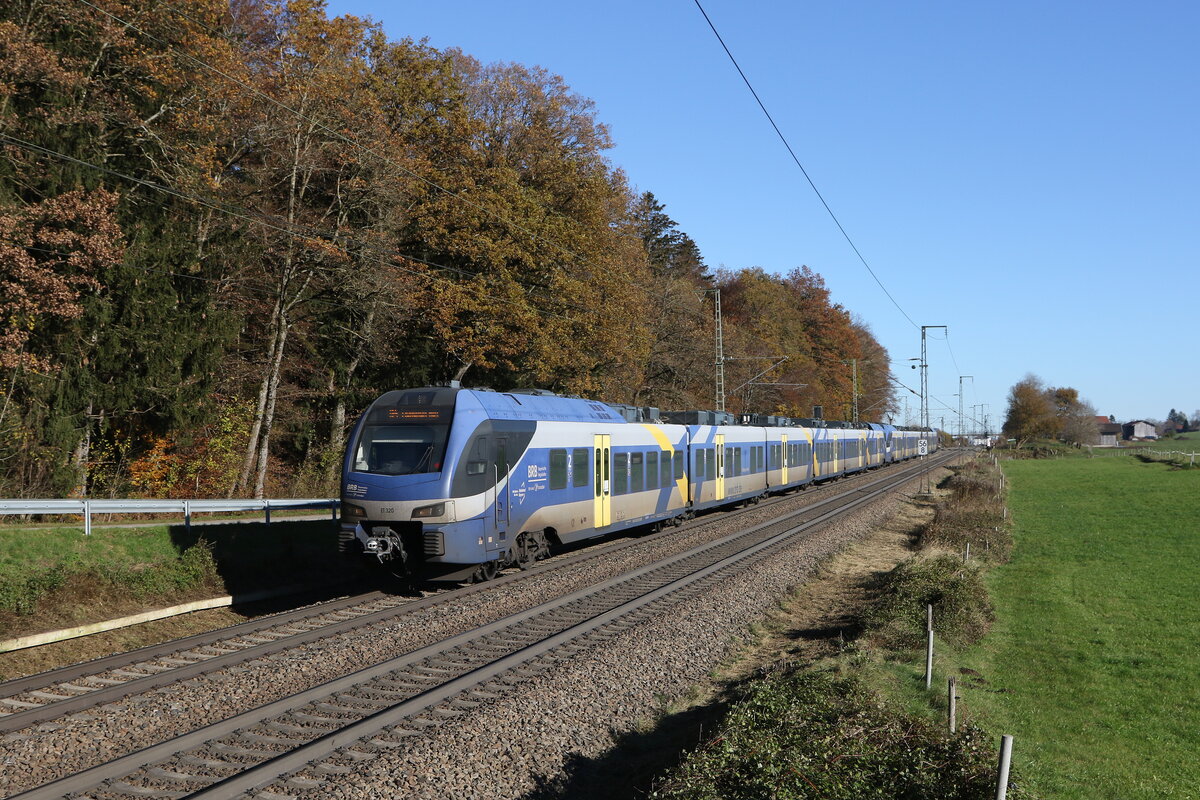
{"points": [[678, 465], [652, 470], [558, 469], [667, 470], [579, 466], [477, 463], [637, 479], [698, 473], [401, 449], [710, 463], [620, 473], [502, 457], [737, 461], [597, 473]]}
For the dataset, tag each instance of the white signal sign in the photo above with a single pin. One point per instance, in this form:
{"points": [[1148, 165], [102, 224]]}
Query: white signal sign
{"points": [[922, 447]]}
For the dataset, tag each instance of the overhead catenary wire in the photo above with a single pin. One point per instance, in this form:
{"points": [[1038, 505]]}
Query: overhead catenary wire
{"points": [[778, 132], [796, 159]]}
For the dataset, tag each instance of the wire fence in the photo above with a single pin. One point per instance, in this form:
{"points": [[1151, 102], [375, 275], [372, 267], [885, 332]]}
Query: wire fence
{"points": [[1148, 452]]}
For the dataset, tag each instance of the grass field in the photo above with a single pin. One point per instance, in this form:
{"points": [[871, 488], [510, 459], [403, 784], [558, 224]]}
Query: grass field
{"points": [[1094, 664], [58, 577], [1185, 443]]}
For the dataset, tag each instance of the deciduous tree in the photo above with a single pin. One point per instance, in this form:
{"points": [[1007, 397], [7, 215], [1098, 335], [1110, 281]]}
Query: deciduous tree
{"points": [[1030, 412]]}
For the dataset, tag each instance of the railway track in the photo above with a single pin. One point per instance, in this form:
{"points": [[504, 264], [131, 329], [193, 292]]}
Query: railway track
{"points": [[72, 689], [297, 743]]}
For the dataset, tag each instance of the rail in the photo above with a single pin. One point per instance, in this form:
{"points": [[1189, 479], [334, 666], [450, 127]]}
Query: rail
{"points": [[88, 507]]}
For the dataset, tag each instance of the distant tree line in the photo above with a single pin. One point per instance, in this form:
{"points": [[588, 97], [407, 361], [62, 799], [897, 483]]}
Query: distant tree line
{"points": [[1037, 411], [1178, 422], [226, 227]]}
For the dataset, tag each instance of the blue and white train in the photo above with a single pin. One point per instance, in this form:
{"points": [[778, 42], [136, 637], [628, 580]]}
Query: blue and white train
{"points": [[479, 480]]}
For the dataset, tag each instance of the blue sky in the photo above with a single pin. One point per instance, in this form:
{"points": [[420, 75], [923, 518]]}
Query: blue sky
{"points": [[1026, 173]]}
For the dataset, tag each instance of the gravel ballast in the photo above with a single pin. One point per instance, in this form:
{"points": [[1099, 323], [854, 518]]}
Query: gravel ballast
{"points": [[505, 748], [519, 745]]}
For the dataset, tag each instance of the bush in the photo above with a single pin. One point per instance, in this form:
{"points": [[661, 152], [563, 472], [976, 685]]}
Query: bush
{"points": [[973, 514], [961, 609], [808, 735]]}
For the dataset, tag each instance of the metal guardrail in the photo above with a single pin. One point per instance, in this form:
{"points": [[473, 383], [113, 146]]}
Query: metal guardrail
{"points": [[88, 507]]}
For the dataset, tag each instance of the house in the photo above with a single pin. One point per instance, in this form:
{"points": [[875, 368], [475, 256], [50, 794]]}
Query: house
{"points": [[1139, 429], [1110, 432]]}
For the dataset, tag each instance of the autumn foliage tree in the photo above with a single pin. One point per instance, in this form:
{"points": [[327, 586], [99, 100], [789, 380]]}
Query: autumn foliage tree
{"points": [[1036, 411], [791, 348], [226, 227]]}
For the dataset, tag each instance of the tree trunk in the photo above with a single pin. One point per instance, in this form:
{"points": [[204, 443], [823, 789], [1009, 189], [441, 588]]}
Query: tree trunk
{"points": [[79, 458], [264, 446], [337, 426], [243, 480]]}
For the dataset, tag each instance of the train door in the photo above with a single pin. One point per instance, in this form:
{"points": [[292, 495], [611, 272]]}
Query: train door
{"points": [[502, 492], [602, 457], [720, 480], [783, 460]]}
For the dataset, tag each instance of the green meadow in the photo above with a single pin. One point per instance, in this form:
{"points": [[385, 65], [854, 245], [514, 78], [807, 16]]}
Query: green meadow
{"points": [[57, 577], [1093, 663]]}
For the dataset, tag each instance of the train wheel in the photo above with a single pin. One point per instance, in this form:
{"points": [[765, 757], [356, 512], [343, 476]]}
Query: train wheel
{"points": [[487, 571]]}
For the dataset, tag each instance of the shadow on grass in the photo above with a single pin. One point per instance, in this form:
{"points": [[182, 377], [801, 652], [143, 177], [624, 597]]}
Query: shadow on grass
{"points": [[298, 555]]}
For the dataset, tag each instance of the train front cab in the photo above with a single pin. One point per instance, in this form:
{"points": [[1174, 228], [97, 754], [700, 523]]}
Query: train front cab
{"points": [[405, 479]]}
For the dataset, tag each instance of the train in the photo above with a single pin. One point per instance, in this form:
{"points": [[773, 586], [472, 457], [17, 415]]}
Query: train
{"points": [[471, 481]]}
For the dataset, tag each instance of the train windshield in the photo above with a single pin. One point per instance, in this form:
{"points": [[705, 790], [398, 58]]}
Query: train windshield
{"points": [[401, 449]]}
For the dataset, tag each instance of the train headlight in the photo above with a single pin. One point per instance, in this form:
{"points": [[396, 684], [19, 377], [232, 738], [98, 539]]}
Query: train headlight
{"points": [[350, 510], [434, 510]]}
